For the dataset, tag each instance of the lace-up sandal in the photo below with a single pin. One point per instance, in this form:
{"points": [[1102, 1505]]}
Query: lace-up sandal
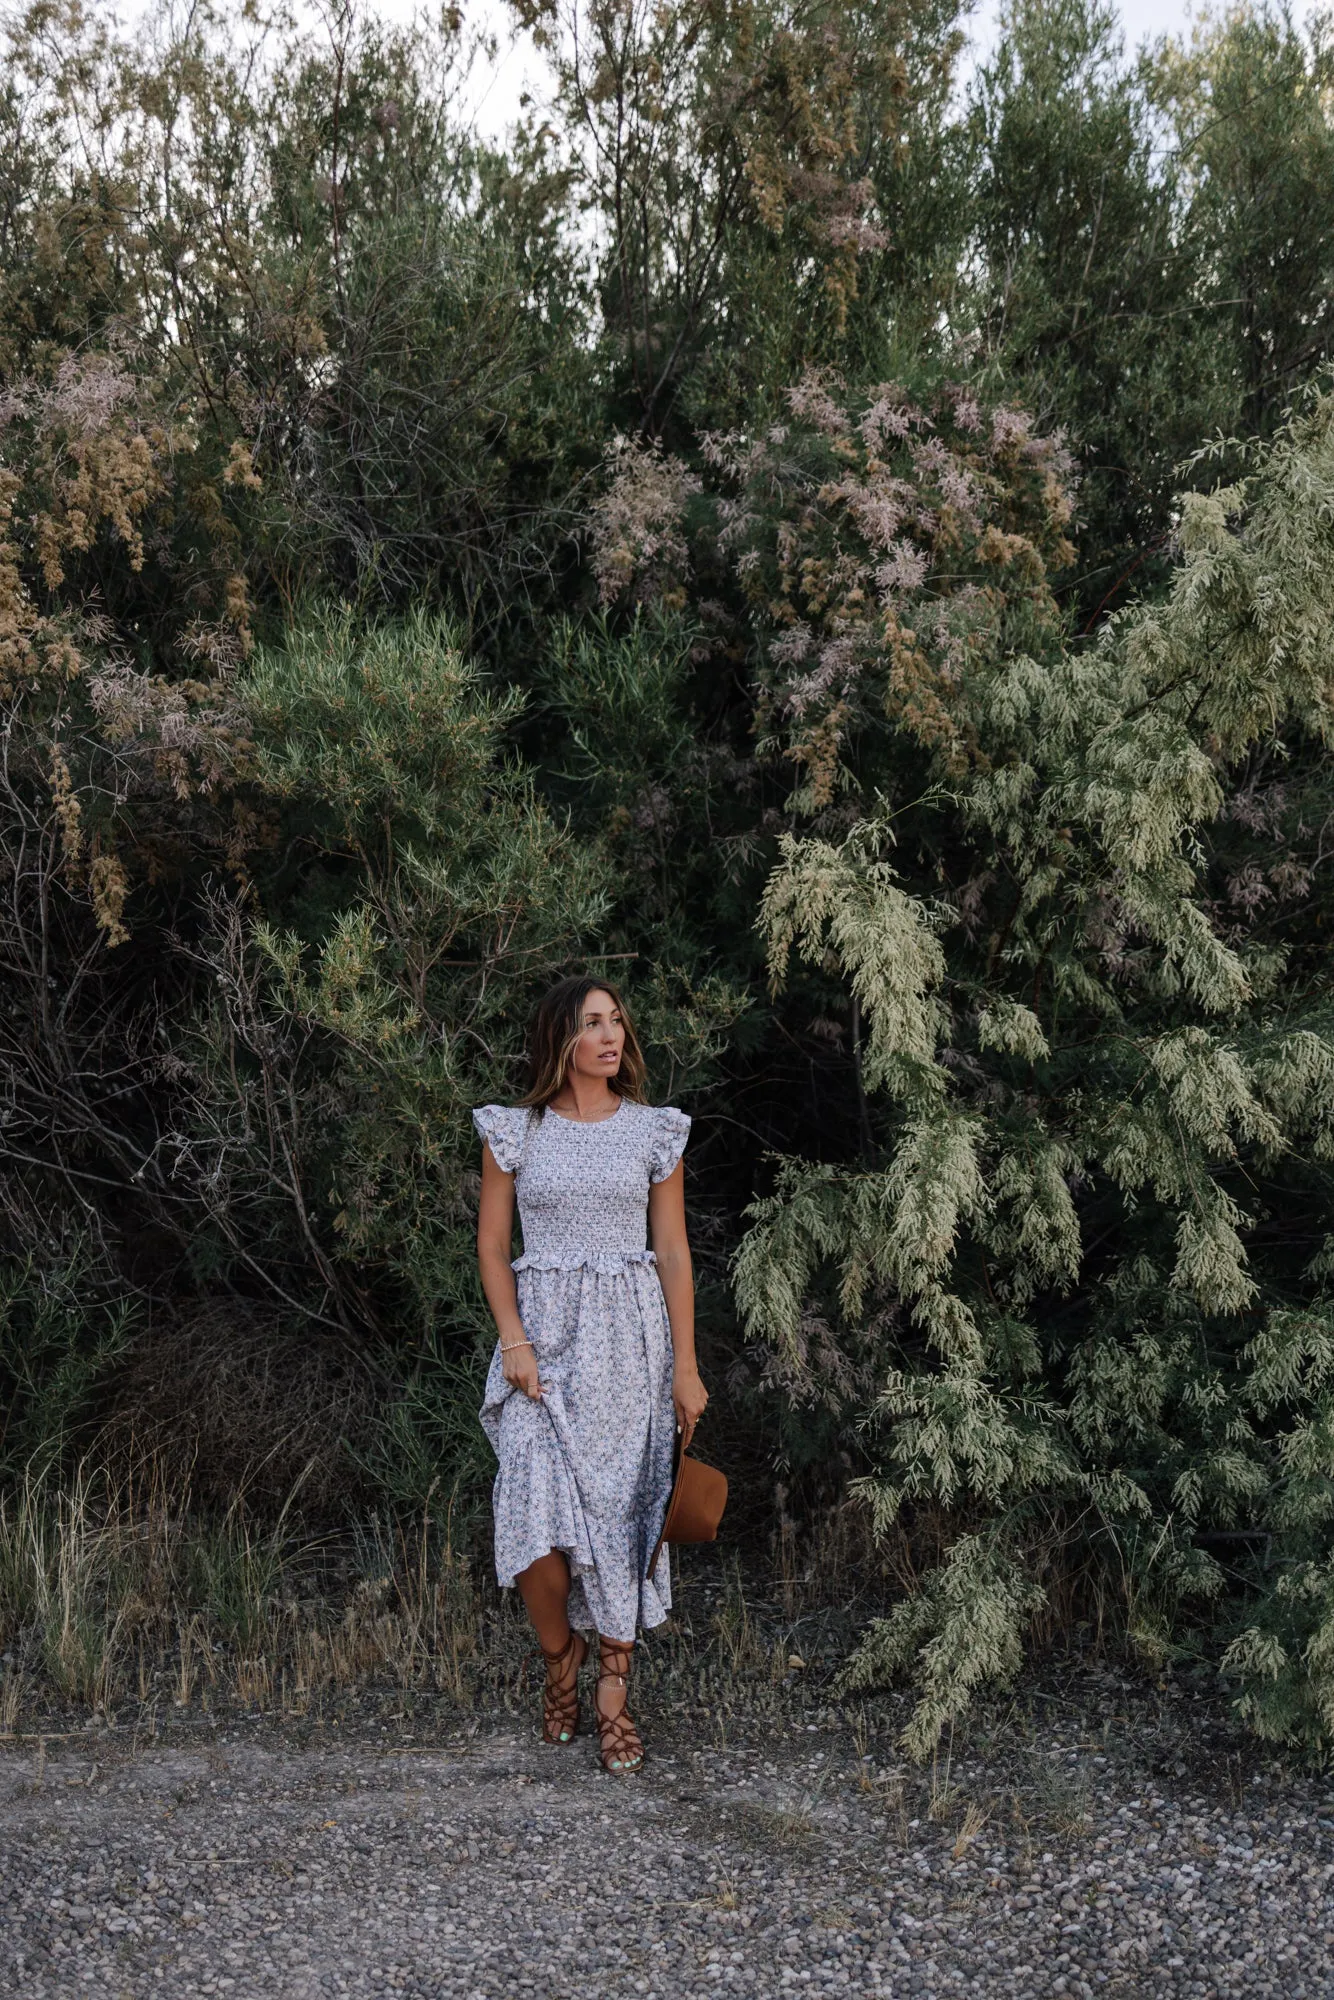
{"points": [[622, 1747], [560, 1696]]}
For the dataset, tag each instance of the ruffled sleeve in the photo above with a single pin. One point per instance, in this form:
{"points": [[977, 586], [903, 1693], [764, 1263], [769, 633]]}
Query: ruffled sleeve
{"points": [[503, 1129], [671, 1129]]}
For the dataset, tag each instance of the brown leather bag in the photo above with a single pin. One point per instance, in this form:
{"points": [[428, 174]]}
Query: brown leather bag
{"points": [[699, 1494]]}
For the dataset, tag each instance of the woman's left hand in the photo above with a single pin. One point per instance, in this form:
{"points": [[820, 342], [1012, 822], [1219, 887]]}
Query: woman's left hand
{"points": [[691, 1399]]}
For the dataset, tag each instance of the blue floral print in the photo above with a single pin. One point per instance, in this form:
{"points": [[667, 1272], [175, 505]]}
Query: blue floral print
{"points": [[588, 1469]]}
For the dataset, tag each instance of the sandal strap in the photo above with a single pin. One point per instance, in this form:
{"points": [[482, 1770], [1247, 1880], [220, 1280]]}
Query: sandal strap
{"points": [[555, 1659], [560, 1705], [617, 1733]]}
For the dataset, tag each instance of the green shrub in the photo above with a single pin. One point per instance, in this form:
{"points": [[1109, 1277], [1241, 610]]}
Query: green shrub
{"points": [[1083, 1252], [58, 1342]]}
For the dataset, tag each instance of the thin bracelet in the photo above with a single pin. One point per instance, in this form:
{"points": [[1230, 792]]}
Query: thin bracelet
{"points": [[513, 1344]]}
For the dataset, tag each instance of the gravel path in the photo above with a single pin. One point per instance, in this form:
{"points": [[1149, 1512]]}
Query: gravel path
{"points": [[224, 1863]]}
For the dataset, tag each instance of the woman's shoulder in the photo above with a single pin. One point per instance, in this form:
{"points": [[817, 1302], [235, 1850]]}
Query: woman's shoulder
{"points": [[655, 1117], [666, 1129], [504, 1128]]}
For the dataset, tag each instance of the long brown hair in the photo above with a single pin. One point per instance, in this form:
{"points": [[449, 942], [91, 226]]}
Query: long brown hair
{"points": [[557, 1024]]}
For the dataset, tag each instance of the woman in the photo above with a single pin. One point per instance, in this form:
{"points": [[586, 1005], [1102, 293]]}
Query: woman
{"points": [[595, 1366]]}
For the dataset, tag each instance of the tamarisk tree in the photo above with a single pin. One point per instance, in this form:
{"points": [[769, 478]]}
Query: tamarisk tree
{"points": [[1074, 1282]]}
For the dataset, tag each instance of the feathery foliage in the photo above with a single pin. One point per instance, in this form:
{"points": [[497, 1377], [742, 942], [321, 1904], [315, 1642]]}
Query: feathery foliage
{"points": [[1090, 1092]]}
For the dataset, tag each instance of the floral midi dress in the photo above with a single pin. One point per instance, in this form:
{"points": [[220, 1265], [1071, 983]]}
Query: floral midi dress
{"points": [[588, 1468]]}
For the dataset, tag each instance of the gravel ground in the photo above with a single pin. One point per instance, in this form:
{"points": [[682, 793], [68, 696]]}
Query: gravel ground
{"points": [[1059, 1854]]}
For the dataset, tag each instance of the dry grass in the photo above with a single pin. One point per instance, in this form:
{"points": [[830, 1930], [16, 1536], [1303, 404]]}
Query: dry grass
{"points": [[13, 1688], [974, 1820], [739, 1642], [120, 1594], [120, 1597], [110, 1595]]}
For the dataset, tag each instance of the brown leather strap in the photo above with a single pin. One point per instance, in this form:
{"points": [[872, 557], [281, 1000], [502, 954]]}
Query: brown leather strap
{"points": [[560, 1705], [617, 1734], [618, 1737]]}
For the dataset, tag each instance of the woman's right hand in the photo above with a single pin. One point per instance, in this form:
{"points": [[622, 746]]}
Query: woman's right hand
{"points": [[520, 1366]]}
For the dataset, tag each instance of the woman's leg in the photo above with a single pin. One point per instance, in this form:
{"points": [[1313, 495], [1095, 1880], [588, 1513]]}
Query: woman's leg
{"points": [[545, 1589], [622, 1746]]}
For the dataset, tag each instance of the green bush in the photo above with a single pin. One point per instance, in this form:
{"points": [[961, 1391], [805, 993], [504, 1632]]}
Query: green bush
{"points": [[1087, 1247], [58, 1343], [680, 540]]}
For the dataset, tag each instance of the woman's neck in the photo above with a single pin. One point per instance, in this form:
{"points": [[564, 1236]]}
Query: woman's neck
{"points": [[587, 1098]]}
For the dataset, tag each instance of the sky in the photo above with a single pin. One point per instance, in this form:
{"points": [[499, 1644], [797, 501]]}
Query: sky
{"points": [[496, 90], [1141, 19]]}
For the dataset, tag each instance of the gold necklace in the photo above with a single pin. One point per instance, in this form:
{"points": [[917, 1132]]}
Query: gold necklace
{"points": [[579, 1119]]}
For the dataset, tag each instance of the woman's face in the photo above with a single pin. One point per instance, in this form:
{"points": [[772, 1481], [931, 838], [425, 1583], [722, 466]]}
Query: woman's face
{"points": [[598, 1049]]}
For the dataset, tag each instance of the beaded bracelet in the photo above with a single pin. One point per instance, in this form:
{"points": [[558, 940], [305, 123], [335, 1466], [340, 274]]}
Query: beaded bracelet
{"points": [[513, 1344]]}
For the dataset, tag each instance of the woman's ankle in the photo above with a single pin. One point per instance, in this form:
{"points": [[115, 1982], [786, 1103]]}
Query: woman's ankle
{"points": [[614, 1659], [556, 1655]]}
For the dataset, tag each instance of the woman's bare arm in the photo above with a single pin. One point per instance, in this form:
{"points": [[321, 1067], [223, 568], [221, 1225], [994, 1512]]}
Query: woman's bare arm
{"points": [[671, 1247], [495, 1236]]}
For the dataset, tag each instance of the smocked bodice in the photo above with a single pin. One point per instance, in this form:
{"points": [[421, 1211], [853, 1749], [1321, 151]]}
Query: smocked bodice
{"points": [[583, 1188]]}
